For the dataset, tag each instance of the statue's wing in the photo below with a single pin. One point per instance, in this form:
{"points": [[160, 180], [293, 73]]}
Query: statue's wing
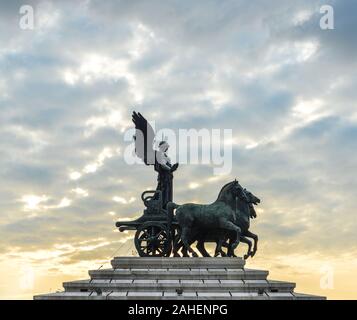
{"points": [[144, 139]]}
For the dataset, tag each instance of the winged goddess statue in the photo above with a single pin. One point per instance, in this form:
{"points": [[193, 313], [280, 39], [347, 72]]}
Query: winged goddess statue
{"points": [[144, 149]]}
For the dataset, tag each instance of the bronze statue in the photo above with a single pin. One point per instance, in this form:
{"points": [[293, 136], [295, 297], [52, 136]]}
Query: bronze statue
{"points": [[226, 218], [144, 141], [221, 236], [162, 231]]}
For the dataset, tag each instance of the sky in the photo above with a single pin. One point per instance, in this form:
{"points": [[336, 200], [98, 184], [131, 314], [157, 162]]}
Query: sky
{"points": [[264, 69]]}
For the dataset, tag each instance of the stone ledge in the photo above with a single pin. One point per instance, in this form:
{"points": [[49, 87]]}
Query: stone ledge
{"points": [[186, 285], [159, 278], [169, 295], [303, 296], [165, 274], [176, 263]]}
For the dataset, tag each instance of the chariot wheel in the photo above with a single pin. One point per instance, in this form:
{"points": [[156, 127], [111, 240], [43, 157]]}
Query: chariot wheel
{"points": [[153, 239]]}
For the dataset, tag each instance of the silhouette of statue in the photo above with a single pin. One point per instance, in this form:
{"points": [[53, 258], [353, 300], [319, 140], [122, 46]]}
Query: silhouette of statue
{"points": [[144, 141]]}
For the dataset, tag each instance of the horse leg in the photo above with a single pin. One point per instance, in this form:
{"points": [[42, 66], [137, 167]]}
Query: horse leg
{"points": [[177, 246], [186, 242], [219, 244], [222, 242], [255, 238], [184, 251], [226, 245], [201, 248], [230, 250], [249, 243], [230, 226], [223, 254]]}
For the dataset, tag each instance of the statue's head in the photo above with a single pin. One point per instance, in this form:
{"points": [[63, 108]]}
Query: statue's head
{"points": [[163, 146]]}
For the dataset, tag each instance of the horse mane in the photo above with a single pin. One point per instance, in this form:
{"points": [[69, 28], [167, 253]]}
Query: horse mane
{"points": [[219, 198]]}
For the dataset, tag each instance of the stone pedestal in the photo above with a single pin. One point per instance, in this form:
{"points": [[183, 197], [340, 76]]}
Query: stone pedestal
{"points": [[177, 278]]}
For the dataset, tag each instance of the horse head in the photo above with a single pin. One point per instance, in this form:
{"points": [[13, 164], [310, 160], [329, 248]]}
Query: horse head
{"points": [[233, 194], [251, 197], [238, 192]]}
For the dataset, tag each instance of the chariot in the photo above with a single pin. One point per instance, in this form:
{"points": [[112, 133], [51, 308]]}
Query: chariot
{"points": [[155, 229]]}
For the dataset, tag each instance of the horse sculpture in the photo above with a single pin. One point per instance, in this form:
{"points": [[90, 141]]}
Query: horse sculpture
{"points": [[225, 219]]}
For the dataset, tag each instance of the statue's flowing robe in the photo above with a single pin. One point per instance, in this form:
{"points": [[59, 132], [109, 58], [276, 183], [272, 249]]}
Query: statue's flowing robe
{"points": [[165, 177]]}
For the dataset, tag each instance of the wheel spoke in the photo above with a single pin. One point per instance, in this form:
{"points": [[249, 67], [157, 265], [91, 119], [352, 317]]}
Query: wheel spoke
{"points": [[153, 240], [159, 233], [153, 231]]}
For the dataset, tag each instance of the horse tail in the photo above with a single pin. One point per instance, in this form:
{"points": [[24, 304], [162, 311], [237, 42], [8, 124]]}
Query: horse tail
{"points": [[177, 242], [171, 206]]}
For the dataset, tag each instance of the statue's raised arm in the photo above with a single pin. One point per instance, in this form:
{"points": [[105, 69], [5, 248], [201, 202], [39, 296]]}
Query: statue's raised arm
{"points": [[144, 139]]}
